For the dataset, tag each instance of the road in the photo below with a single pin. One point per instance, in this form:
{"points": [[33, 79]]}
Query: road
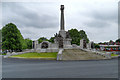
{"points": [[26, 68]]}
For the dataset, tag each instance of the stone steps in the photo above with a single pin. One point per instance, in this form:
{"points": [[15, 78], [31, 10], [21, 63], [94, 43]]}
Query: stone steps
{"points": [[77, 54]]}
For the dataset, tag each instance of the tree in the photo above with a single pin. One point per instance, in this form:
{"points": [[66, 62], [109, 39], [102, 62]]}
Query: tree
{"points": [[12, 38], [111, 42], [28, 43], [83, 35], [52, 39], [118, 40], [0, 36], [42, 39], [96, 45], [77, 36], [0, 39]]}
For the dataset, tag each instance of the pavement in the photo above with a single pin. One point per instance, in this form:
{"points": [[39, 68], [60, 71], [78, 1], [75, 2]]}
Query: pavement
{"points": [[35, 68]]}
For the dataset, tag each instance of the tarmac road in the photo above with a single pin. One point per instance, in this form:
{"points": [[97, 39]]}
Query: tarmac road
{"points": [[26, 68]]}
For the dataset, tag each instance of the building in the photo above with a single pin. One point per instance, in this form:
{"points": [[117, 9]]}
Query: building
{"points": [[110, 46]]}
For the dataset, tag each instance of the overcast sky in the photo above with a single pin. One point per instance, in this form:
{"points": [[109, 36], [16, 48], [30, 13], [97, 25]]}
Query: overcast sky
{"points": [[98, 18]]}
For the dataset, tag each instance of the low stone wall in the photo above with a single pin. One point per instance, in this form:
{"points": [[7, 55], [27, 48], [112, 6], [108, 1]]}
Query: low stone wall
{"points": [[17, 53], [106, 55], [47, 50], [30, 50]]}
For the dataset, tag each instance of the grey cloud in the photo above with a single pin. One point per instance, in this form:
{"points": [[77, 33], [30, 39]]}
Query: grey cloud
{"points": [[27, 32], [105, 16], [26, 17], [97, 23], [101, 18]]}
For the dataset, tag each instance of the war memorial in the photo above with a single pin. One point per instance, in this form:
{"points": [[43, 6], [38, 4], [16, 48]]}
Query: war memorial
{"points": [[62, 43], [62, 47], [62, 40], [90, 62]]}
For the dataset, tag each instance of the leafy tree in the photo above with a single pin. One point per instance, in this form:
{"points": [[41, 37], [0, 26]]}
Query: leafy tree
{"points": [[24, 44], [0, 35], [0, 39], [11, 38], [111, 42], [118, 40], [96, 45], [28, 43], [42, 39], [83, 35], [52, 39], [77, 36]]}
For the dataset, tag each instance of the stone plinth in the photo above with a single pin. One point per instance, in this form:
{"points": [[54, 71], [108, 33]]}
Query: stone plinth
{"points": [[81, 43]]}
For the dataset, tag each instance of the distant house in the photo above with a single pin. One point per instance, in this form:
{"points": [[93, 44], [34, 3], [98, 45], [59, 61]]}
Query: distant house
{"points": [[110, 46]]}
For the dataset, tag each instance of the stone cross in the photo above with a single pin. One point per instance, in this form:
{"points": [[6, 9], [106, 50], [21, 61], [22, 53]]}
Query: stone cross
{"points": [[62, 18]]}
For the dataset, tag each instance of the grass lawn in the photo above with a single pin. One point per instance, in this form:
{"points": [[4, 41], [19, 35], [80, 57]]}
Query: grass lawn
{"points": [[37, 55], [3, 54], [114, 55]]}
